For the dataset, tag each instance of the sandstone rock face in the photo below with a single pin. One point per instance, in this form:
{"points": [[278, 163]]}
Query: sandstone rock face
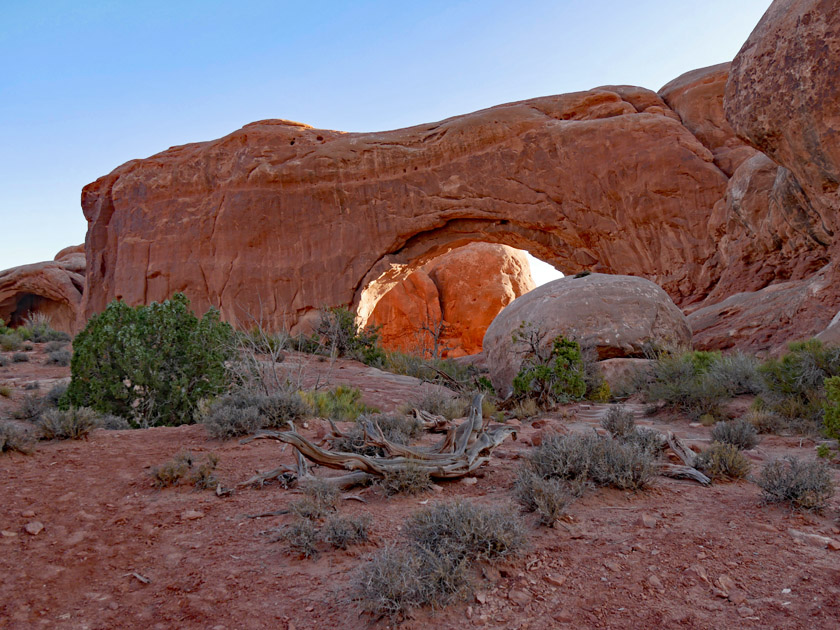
{"points": [[469, 286], [617, 315], [283, 218], [697, 97], [53, 288], [783, 96], [762, 321]]}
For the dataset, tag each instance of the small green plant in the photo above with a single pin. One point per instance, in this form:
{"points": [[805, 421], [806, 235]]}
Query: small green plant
{"points": [[5, 391], [824, 451], [408, 479], [344, 531], [344, 338], [549, 376], [39, 329], [74, 423], [150, 364], [723, 461], [14, 438], [803, 485], [794, 385], [739, 433], [831, 408], [342, 403], [549, 498]]}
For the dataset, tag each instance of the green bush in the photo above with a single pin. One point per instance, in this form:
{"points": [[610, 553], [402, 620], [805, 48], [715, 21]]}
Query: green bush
{"points": [[10, 341], [344, 338], [793, 386], [831, 409], [342, 403], [149, 364], [552, 377], [804, 485]]}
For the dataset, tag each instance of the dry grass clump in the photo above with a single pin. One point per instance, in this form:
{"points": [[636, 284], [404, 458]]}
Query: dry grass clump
{"points": [[55, 346], [185, 466], [739, 433], [440, 403], [13, 438], [765, 421], [804, 485], [68, 424], [59, 357], [342, 403], [343, 531], [549, 498], [301, 536], [619, 421], [433, 567], [5, 391], [723, 461], [525, 408], [408, 479], [320, 498]]}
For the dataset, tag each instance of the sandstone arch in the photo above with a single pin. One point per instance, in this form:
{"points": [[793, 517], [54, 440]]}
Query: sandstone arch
{"points": [[284, 218]]}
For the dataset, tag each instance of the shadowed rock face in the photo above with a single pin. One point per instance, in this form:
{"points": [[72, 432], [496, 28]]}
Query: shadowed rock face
{"points": [[53, 288]]}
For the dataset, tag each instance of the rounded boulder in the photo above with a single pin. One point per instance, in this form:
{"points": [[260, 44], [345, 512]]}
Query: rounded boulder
{"points": [[615, 315]]}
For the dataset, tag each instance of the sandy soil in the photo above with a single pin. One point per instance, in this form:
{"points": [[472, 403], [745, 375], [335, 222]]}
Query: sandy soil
{"points": [[116, 553]]}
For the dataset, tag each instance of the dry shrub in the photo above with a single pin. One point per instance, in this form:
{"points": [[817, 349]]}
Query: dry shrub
{"points": [[20, 357], [59, 357], [765, 421], [13, 438], [723, 461], [10, 342], [804, 485], [69, 424], [226, 420], [432, 569], [301, 536], [320, 498], [739, 433], [408, 479], [343, 531], [30, 408], [464, 529], [583, 458], [525, 408], [440, 403], [619, 421], [5, 391], [549, 498], [185, 466]]}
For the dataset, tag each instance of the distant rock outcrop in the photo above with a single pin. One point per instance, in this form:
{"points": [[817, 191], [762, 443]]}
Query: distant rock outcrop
{"points": [[615, 315], [53, 288], [469, 286]]}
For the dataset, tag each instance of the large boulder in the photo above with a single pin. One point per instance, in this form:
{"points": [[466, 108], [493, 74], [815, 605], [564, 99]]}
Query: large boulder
{"points": [[464, 290], [616, 315], [52, 288]]}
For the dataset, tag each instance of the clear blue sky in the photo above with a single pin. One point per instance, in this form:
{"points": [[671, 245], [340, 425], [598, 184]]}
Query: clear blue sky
{"points": [[86, 85]]}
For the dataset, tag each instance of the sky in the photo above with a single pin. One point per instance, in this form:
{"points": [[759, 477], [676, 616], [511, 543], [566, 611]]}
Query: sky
{"points": [[88, 85]]}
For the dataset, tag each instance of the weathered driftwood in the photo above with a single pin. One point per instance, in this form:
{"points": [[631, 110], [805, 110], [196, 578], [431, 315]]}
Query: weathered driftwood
{"points": [[463, 450], [688, 471], [432, 422]]}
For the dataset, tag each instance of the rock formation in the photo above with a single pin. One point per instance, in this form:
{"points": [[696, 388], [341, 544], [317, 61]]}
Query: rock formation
{"points": [[53, 288], [725, 182], [463, 290], [615, 315]]}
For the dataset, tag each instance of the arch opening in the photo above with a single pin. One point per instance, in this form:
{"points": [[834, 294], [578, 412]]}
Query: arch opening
{"points": [[16, 309], [440, 304]]}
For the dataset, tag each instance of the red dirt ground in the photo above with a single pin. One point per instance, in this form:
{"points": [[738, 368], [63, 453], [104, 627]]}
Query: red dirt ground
{"points": [[706, 557]]}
